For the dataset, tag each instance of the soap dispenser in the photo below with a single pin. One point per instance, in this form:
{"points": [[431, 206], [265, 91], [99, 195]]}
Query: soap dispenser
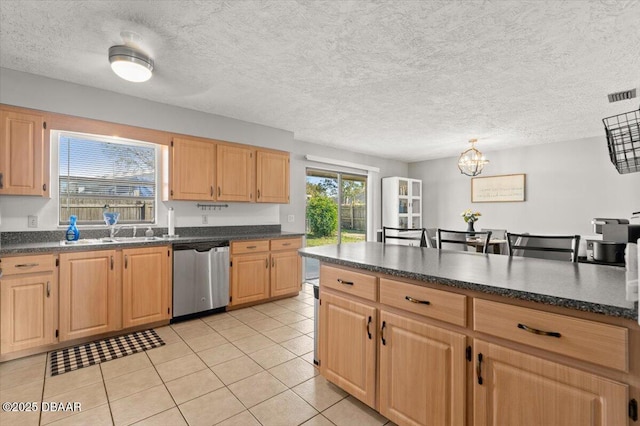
{"points": [[148, 232], [72, 231]]}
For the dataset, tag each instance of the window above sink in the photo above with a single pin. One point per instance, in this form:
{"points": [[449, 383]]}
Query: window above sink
{"points": [[99, 173]]}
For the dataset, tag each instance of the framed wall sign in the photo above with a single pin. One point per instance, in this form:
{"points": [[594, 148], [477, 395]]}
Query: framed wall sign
{"points": [[497, 189]]}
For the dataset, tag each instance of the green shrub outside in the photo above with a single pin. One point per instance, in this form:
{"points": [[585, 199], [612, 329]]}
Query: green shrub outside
{"points": [[322, 214]]}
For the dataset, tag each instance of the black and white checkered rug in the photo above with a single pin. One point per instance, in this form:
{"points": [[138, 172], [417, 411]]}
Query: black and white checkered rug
{"points": [[70, 359]]}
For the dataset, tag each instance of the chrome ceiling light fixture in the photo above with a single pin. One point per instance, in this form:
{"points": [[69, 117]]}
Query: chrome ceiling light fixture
{"points": [[128, 61], [472, 161]]}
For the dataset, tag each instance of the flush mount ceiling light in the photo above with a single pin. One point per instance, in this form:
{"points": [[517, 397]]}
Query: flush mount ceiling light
{"points": [[129, 62], [471, 161]]}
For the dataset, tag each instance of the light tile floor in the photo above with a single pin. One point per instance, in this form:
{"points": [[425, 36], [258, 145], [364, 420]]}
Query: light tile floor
{"points": [[252, 366]]}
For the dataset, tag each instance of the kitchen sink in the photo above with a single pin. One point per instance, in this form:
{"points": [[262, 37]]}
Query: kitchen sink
{"points": [[87, 241], [109, 240], [133, 239]]}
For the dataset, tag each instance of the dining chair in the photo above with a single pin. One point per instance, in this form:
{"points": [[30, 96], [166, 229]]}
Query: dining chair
{"points": [[497, 234], [432, 237], [461, 240], [551, 247], [405, 234]]}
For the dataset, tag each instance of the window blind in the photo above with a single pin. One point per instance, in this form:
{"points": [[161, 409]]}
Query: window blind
{"points": [[102, 174]]}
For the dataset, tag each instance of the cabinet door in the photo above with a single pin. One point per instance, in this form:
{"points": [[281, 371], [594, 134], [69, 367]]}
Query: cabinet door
{"points": [[144, 284], [28, 311], [348, 346], [272, 177], [519, 389], [422, 373], [249, 278], [89, 297], [235, 168], [285, 273], [22, 154], [192, 174]]}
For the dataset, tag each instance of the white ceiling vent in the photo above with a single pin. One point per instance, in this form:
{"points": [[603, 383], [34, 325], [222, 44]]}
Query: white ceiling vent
{"points": [[621, 96]]}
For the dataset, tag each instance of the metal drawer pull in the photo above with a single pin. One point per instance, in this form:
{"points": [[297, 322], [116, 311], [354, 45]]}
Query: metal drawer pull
{"points": [[479, 369], [27, 265], [412, 300], [341, 281], [126, 261], [48, 289], [267, 265], [540, 332], [251, 247], [384, 324], [111, 262], [258, 193], [218, 191], [211, 190], [273, 262], [368, 330], [286, 244]]}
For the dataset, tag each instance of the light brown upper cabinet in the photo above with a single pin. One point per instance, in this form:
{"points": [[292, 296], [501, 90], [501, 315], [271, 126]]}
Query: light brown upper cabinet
{"points": [[23, 154], [193, 169], [272, 177], [235, 167]]}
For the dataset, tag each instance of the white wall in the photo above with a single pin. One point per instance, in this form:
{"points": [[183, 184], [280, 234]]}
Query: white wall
{"points": [[31, 91], [567, 184]]}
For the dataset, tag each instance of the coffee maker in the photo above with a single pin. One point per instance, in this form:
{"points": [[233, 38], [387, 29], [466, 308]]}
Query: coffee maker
{"points": [[616, 233]]}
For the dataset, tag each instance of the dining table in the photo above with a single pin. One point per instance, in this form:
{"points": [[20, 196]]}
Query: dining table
{"points": [[494, 243]]}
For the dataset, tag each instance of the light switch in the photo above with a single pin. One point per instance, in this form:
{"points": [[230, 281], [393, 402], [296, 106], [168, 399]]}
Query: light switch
{"points": [[291, 218]]}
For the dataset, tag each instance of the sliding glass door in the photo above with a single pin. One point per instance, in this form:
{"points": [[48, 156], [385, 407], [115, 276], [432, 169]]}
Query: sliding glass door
{"points": [[336, 211]]}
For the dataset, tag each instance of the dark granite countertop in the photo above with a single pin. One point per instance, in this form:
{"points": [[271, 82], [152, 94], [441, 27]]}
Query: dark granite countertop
{"points": [[584, 287], [50, 241]]}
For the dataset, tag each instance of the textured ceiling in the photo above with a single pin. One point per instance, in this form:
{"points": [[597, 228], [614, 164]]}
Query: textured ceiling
{"points": [[409, 80]]}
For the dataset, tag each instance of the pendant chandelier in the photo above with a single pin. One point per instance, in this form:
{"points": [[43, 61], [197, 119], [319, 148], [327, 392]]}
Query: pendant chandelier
{"points": [[471, 161]]}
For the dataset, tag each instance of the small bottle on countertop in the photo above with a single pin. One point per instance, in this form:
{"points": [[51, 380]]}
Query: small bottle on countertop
{"points": [[148, 232], [72, 231]]}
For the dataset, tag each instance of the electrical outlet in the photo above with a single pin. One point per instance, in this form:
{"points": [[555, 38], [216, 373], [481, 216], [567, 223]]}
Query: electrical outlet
{"points": [[291, 218], [32, 221], [205, 219]]}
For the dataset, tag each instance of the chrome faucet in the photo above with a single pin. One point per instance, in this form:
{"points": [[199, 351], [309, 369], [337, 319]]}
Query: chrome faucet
{"points": [[113, 230]]}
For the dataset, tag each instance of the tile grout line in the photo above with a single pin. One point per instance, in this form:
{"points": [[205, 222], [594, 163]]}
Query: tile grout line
{"points": [[44, 382], [106, 393], [166, 388]]}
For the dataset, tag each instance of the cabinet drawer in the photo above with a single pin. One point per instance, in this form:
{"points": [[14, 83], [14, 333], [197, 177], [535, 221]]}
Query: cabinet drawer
{"points": [[442, 305], [250, 246], [351, 282], [286, 244], [27, 264], [590, 341]]}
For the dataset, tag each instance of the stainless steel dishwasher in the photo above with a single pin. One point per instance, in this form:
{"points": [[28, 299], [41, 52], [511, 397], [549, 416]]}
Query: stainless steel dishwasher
{"points": [[200, 278]]}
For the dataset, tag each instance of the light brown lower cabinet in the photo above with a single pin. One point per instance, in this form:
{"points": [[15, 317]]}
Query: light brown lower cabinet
{"points": [[348, 350], [249, 278], [417, 371], [513, 388], [28, 303], [145, 285], [90, 294], [285, 273], [261, 269], [422, 372]]}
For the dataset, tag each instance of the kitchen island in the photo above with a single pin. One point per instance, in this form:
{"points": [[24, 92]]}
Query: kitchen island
{"points": [[429, 336]]}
